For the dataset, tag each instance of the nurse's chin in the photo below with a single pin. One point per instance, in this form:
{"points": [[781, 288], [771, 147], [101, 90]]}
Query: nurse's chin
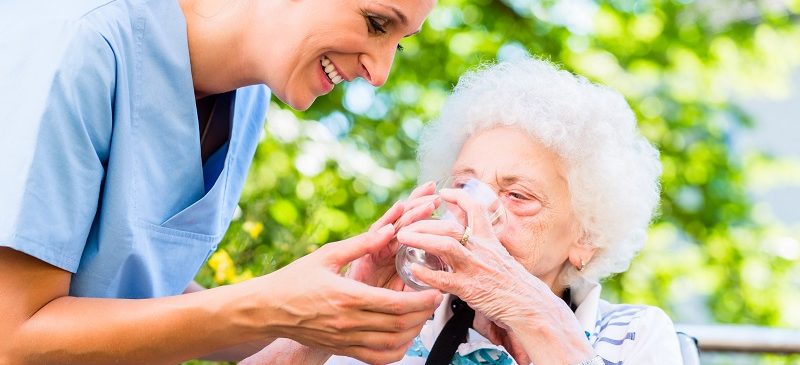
{"points": [[299, 103]]}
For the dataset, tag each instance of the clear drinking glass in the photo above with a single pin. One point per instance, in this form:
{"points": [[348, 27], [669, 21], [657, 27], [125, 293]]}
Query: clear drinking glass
{"points": [[477, 190]]}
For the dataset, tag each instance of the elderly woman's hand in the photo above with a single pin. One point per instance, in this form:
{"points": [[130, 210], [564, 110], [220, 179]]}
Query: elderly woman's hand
{"points": [[493, 283], [484, 274]]}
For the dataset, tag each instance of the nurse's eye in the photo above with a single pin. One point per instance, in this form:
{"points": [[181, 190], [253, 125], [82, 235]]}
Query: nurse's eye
{"points": [[376, 24]]}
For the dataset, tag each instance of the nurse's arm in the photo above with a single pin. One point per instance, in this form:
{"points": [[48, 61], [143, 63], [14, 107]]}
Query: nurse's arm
{"points": [[235, 353], [41, 324], [308, 301]]}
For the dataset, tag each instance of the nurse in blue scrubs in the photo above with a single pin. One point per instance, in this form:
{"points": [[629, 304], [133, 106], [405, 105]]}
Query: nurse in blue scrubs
{"points": [[126, 131]]}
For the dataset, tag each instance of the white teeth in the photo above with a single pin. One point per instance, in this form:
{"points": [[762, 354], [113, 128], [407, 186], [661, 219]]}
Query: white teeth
{"points": [[330, 70]]}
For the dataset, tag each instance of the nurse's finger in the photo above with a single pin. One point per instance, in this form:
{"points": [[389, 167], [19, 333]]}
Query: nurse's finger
{"points": [[371, 346], [362, 320], [396, 283], [369, 355], [343, 252], [391, 216], [380, 300], [384, 340], [417, 213], [420, 201], [385, 351]]}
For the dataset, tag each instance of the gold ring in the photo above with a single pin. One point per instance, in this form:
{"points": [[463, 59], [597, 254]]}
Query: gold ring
{"points": [[465, 236]]}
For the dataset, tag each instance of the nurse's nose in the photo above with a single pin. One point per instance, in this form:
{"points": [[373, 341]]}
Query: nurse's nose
{"points": [[376, 65]]}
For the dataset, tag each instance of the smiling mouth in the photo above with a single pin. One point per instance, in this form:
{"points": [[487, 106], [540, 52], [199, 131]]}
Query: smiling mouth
{"points": [[330, 70]]}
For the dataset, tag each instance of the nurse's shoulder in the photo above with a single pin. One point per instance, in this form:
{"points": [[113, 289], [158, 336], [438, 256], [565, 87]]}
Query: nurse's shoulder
{"points": [[47, 37], [58, 86], [58, 59]]}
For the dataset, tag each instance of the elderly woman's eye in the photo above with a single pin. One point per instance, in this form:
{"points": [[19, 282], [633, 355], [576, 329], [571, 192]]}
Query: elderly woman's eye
{"points": [[376, 25], [517, 196]]}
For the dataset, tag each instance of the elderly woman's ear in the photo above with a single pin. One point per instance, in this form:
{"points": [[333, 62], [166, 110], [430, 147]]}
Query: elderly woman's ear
{"points": [[581, 253]]}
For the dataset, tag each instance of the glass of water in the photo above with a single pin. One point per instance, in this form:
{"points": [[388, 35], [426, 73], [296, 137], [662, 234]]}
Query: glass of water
{"points": [[478, 191]]}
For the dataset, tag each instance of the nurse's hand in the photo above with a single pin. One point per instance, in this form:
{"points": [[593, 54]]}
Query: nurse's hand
{"points": [[311, 303], [378, 268]]}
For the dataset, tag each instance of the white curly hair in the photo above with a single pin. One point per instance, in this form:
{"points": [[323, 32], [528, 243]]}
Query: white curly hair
{"points": [[612, 171]]}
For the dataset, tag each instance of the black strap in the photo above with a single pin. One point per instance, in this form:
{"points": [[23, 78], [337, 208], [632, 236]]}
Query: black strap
{"points": [[456, 329], [567, 298], [453, 334]]}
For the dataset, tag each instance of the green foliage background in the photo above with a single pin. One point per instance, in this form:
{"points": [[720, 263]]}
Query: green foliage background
{"points": [[712, 255]]}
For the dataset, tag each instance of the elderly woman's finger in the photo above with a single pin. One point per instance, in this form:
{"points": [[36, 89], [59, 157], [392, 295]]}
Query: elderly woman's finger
{"points": [[446, 228], [446, 248], [442, 280], [476, 214], [427, 188], [453, 212]]}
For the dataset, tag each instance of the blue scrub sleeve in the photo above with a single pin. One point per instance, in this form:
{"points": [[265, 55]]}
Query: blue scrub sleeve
{"points": [[56, 117]]}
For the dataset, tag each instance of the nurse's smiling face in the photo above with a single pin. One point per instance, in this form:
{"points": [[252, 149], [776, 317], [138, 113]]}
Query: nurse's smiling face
{"points": [[331, 41]]}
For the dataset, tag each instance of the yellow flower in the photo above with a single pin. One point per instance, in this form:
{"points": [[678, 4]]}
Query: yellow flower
{"points": [[222, 265], [253, 228]]}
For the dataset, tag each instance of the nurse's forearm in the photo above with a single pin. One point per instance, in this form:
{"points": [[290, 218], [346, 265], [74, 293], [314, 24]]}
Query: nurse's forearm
{"points": [[238, 352], [169, 330], [235, 353]]}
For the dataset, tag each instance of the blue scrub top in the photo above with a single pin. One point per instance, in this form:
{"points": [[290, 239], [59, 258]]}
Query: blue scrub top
{"points": [[99, 145]]}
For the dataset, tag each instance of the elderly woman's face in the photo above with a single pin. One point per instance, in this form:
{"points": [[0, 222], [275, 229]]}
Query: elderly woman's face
{"points": [[339, 40], [542, 231]]}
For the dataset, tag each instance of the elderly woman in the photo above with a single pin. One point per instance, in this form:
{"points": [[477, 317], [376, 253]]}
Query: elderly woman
{"points": [[579, 185]]}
